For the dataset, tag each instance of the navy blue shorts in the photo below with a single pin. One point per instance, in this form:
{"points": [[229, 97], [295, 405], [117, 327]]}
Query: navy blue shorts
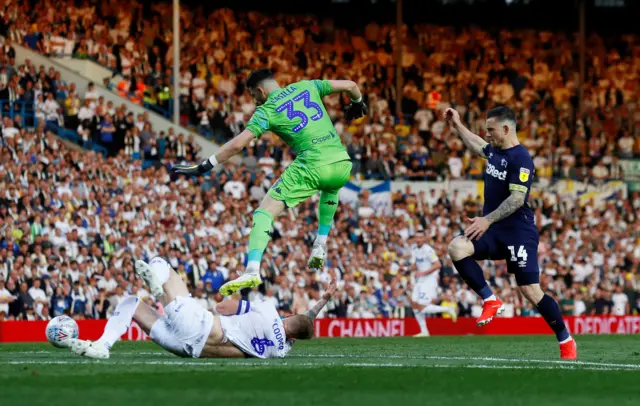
{"points": [[518, 247]]}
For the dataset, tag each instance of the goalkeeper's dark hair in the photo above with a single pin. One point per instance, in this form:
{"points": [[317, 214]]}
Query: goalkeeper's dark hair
{"points": [[502, 113], [257, 76]]}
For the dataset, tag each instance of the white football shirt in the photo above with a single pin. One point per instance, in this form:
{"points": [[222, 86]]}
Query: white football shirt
{"points": [[424, 257], [257, 330]]}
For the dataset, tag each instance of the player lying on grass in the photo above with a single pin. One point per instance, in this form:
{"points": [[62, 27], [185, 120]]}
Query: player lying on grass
{"points": [[237, 328], [507, 229], [297, 115]]}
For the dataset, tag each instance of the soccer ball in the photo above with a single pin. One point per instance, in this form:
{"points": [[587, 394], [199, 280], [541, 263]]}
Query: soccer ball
{"points": [[60, 329]]}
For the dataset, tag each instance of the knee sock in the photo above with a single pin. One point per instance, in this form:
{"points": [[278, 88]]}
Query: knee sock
{"points": [[328, 208], [550, 311], [259, 238], [473, 275], [119, 322], [161, 269], [422, 322]]}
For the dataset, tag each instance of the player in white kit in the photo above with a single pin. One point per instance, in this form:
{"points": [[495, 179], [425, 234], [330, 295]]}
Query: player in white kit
{"points": [[237, 328], [425, 287]]}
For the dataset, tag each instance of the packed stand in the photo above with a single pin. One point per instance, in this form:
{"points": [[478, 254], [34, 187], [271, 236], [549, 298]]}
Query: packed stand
{"points": [[534, 72], [72, 223], [37, 96]]}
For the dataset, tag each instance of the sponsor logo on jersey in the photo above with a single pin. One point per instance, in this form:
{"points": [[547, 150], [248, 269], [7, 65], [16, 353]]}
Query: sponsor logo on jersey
{"points": [[330, 203], [493, 171], [278, 334], [323, 139], [503, 162], [524, 174]]}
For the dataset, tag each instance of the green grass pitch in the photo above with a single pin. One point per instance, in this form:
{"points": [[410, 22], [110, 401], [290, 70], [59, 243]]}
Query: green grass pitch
{"points": [[457, 371]]}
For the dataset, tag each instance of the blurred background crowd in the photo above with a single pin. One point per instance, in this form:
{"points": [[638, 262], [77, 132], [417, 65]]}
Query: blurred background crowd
{"points": [[72, 221]]}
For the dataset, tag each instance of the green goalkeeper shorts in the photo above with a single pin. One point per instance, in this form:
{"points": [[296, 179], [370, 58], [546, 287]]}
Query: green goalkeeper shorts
{"points": [[298, 183]]}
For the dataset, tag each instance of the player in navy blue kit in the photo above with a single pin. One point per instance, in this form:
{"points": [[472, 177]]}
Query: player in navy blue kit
{"points": [[507, 229]]}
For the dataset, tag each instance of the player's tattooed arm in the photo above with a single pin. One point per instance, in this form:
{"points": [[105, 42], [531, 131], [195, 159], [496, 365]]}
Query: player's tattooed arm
{"points": [[508, 207], [331, 290]]}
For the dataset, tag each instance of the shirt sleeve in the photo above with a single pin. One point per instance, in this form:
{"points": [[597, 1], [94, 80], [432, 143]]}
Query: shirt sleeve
{"points": [[259, 123], [323, 87], [487, 150], [244, 306], [520, 174], [432, 255]]}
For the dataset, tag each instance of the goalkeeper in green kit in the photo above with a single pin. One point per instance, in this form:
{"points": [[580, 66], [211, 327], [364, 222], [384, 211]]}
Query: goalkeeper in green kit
{"points": [[297, 115]]}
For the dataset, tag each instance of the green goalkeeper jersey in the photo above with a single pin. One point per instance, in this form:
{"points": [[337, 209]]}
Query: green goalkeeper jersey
{"points": [[297, 115]]}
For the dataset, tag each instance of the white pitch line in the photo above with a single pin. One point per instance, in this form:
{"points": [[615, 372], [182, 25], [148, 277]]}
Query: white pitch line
{"points": [[312, 365], [490, 359], [559, 363]]}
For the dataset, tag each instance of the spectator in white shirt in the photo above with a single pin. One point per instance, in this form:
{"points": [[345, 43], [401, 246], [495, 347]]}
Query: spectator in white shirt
{"points": [[86, 112], [235, 187], [620, 302], [38, 296], [267, 163], [107, 283], [600, 172], [5, 298], [51, 110], [8, 130], [69, 44], [455, 166], [199, 85], [91, 94], [625, 146]]}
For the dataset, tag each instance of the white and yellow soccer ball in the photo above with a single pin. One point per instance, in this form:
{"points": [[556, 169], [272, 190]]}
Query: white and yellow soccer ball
{"points": [[60, 329]]}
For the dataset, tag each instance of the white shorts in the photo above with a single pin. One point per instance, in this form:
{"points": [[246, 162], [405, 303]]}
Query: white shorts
{"points": [[424, 294], [187, 323]]}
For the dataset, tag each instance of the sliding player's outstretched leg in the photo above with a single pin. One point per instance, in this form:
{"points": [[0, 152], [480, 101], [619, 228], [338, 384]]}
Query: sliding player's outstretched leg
{"points": [[464, 253], [165, 284], [116, 326]]}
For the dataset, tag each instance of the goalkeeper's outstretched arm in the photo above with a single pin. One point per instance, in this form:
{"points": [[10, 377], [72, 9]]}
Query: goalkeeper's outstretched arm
{"points": [[229, 149], [349, 86], [357, 108]]}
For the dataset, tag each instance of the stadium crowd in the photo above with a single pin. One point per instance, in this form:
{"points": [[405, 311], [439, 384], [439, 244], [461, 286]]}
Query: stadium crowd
{"points": [[531, 71], [71, 222]]}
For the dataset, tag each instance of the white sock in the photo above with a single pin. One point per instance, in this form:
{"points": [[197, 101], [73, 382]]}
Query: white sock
{"points": [[119, 322], [253, 267], [432, 309], [321, 240], [492, 297], [161, 269], [422, 322]]}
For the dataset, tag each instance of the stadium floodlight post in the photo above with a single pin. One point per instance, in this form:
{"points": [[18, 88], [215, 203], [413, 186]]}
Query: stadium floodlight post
{"points": [[582, 39], [176, 62], [399, 43]]}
